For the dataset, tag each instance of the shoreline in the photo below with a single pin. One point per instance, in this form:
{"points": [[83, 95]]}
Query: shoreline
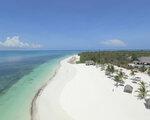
{"points": [[33, 108], [40, 90], [80, 92]]}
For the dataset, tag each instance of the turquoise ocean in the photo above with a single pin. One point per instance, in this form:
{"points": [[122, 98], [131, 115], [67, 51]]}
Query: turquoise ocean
{"points": [[22, 73]]}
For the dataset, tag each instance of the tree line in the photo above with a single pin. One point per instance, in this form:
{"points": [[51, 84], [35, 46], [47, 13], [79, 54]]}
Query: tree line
{"points": [[119, 58]]}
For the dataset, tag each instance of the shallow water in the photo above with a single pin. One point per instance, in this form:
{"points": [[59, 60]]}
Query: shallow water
{"points": [[22, 73]]}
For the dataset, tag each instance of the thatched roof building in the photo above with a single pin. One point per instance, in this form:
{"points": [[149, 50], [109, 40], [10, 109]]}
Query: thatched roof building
{"points": [[147, 104], [142, 61], [89, 62], [128, 89]]}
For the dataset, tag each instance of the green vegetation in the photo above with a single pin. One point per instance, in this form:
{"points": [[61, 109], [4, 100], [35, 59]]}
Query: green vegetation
{"points": [[122, 75], [119, 58], [102, 67], [108, 59], [148, 71], [143, 69], [118, 79], [142, 90], [77, 62], [132, 73], [110, 69]]}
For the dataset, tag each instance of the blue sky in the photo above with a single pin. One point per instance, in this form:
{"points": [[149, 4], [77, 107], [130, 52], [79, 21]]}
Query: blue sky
{"points": [[75, 24]]}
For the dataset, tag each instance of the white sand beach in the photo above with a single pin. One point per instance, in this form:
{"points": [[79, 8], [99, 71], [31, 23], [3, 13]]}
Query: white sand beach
{"points": [[80, 92]]}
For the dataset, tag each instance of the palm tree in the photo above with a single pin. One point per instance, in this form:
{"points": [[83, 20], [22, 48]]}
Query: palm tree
{"points": [[132, 73], [142, 90], [148, 72], [102, 67], [142, 69], [122, 75], [118, 79], [107, 72], [110, 69]]}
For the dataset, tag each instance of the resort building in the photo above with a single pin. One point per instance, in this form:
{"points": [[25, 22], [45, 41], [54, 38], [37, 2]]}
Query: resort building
{"points": [[147, 104], [128, 89], [89, 62], [142, 61]]}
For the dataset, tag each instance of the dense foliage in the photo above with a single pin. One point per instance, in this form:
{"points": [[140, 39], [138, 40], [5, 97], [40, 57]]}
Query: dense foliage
{"points": [[142, 90], [119, 58], [110, 69]]}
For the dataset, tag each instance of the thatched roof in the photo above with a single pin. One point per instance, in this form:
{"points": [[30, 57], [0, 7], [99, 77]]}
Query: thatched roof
{"points": [[89, 62], [144, 59], [147, 104], [128, 89]]}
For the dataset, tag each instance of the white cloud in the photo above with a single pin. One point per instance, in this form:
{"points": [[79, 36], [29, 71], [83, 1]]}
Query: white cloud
{"points": [[15, 42], [114, 42]]}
